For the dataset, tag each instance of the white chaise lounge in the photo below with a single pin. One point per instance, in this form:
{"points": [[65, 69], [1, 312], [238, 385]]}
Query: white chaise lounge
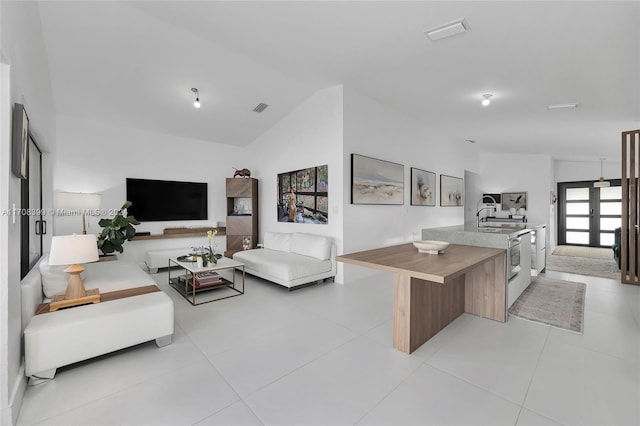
{"points": [[56, 339], [291, 259]]}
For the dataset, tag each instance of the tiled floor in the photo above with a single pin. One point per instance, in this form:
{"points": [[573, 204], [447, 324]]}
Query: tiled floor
{"points": [[322, 355]]}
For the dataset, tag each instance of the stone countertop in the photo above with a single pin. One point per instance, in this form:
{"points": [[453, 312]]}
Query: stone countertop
{"points": [[494, 235]]}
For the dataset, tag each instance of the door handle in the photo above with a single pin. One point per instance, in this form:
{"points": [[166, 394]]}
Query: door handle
{"points": [[38, 227]]}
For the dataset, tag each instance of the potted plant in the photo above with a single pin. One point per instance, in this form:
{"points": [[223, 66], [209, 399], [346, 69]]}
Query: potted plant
{"points": [[116, 231]]}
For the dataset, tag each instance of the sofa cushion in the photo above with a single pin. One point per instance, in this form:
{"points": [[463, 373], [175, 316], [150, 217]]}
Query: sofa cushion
{"points": [[285, 266], [54, 278], [115, 275], [280, 241], [316, 246]]}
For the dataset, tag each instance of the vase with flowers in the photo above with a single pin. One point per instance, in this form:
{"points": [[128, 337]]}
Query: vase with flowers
{"points": [[207, 254], [211, 252]]}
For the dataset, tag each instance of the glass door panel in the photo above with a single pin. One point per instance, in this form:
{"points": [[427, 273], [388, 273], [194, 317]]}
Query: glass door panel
{"points": [[573, 237]]}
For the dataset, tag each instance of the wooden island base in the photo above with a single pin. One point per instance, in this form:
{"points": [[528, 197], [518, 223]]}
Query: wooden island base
{"points": [[430, 291]]}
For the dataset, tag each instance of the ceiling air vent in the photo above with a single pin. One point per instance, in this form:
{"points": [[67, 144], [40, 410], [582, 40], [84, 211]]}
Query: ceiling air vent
{"points": [[261, 107], [458, 26]]}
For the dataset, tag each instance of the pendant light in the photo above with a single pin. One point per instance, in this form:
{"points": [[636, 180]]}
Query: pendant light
{"points": [[196, 103], [601, 183]]}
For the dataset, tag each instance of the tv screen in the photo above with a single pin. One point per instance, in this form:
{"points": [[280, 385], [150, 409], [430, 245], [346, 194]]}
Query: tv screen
{"points": [[158, 200]]}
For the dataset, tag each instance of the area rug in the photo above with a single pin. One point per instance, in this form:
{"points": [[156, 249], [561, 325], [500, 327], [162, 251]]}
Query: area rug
{"points": [[557, 303], [605, 268], [580, 251]]}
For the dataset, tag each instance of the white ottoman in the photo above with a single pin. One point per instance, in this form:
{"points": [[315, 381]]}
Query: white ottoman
{"points": [[160, 258]]}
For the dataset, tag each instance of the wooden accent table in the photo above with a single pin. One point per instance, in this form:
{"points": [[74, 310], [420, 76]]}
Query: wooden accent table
{"points": [[430, 291]]}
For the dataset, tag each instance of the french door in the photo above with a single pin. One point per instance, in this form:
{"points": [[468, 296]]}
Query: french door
{"points": [[588, 216]]}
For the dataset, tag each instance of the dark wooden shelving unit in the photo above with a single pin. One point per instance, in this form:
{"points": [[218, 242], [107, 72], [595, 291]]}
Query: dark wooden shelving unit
{"points": [[241, 222]]}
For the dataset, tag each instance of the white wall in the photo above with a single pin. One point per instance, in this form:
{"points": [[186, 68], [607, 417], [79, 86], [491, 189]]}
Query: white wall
{"points": [[575, 171], [25, 79], [97, 158], [375, 130], [519, 173], [311, 135], [473, 193]]}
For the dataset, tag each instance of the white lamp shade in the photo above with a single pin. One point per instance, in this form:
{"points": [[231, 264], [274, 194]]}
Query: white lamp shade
{"points": [[73, 249], [77, 201]]}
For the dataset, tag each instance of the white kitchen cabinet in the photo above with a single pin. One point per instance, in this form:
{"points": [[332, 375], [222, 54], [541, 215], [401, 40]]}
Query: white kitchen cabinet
{"points": [[538, 249]]}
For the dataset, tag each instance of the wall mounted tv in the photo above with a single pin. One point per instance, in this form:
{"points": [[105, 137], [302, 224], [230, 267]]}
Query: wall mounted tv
{"points": [[160, 200]]}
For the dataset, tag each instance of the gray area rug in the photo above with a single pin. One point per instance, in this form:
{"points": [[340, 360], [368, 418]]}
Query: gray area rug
{"points": [[557, 303], [605, 268]]}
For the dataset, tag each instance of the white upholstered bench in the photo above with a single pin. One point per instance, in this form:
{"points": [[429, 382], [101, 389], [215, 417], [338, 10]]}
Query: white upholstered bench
{"points": [[160, 258], [56, 339]]}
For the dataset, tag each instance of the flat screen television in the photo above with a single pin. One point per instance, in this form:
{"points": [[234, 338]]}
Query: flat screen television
{"points": [[165, 200]]}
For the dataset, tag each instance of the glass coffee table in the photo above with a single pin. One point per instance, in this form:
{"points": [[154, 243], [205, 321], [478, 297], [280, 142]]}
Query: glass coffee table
{"points": [[218, 280]]}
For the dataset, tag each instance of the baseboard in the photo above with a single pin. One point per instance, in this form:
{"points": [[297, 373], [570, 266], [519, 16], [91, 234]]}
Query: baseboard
{"points": [[9, 415]]}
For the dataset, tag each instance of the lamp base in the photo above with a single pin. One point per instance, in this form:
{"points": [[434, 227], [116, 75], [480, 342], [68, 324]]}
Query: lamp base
{"points": [[59, 301], [76, 293]]}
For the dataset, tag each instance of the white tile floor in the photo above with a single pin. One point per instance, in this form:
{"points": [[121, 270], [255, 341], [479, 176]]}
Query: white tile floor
{"points": [[322, 355]]}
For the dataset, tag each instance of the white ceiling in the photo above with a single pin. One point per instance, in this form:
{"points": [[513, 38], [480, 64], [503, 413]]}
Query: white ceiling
{"points": [[133, 64]]}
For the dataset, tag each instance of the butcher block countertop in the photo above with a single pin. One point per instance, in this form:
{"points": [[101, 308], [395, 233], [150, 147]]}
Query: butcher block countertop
{"points": [[405, 258]]}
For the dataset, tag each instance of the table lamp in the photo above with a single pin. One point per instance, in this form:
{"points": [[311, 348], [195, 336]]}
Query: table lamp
{"points": [[78, 203], [73, 250]]}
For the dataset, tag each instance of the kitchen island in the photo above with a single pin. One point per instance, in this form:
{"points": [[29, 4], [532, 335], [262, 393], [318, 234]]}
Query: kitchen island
{"points": [[514, 237], [432, 290]]}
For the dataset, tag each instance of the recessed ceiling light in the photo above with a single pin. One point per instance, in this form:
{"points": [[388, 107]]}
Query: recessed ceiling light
{"points": [[560, 106], [458, 26]]}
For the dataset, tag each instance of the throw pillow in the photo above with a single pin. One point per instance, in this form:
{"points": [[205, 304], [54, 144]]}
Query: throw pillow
{"points": [[311, 245]]}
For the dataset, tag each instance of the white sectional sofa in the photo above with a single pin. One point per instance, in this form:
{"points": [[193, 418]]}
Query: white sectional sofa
{"points": [[56, 339], [291, 259]]}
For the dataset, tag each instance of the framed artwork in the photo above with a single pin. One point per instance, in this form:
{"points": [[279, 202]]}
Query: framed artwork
{"points": [[303, 195], [514, 200], [451, 191], [376, 181], [20, 142], [423, 188]]}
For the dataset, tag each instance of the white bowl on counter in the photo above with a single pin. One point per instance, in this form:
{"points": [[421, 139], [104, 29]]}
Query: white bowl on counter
{"points": [[430, 246]]}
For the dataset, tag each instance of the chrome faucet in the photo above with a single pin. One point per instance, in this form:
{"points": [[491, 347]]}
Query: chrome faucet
{"points": [[478, 209]]}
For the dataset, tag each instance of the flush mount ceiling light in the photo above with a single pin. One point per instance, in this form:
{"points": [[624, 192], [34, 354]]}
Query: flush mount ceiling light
{"points": [[196, 103], [458, 26], [486, 101], [561, 106], [601, 183]]}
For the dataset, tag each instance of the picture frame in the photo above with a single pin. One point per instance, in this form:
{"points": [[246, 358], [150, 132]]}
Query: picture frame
{"points": [[20, 141], [514, 200], [423, 187], [303, 195], [451, 191], [375, 181]]}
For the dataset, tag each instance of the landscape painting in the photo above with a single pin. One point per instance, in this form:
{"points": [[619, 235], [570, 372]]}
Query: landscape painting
{"points": [[303, 195], [376, 181], [451, 191], [423, 188]]}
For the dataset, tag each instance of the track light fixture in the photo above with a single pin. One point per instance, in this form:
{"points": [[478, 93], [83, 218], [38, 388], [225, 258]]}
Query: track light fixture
{"points": [[486, 101], [196, 103]]}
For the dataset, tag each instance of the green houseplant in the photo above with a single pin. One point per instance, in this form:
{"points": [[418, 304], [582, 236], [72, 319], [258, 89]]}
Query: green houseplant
{"points": [[116, 231]]}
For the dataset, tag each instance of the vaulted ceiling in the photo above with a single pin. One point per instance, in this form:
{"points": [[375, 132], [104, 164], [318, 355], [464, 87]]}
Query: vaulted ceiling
{"points": [[133, 64]]}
